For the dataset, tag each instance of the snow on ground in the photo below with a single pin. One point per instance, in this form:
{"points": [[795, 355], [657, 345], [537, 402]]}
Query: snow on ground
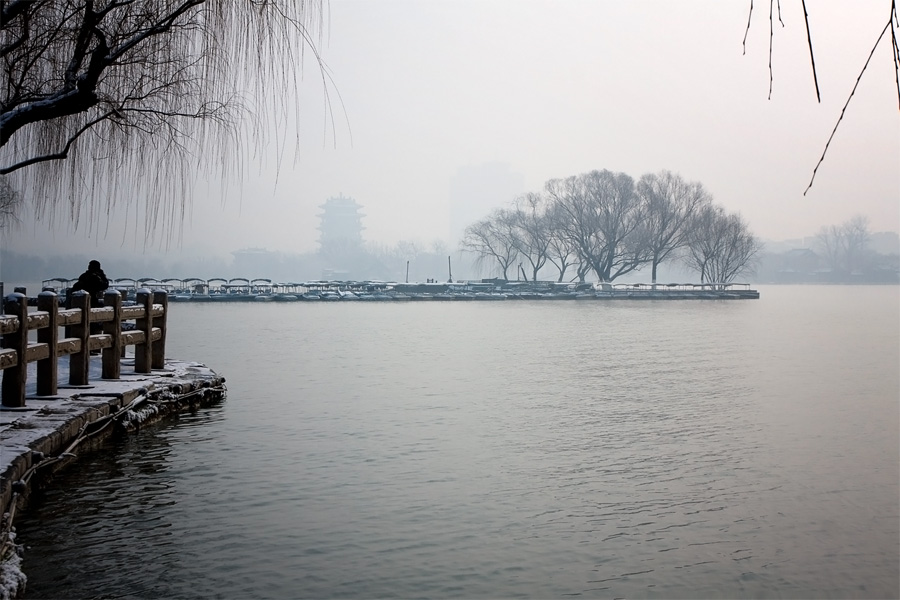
{"points": [[12, 579]]}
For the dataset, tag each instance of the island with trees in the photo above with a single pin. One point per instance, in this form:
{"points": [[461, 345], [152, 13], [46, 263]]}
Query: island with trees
{"points": [[604, 224]]}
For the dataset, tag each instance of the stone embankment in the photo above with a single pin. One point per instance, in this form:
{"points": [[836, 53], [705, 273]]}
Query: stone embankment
{"points": [[49, 432]]}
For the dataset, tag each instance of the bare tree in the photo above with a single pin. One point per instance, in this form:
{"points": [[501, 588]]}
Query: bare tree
{"points": [[602, 215], [669, 204], [582, 269], [702, 246], [108, 101], [857, 235], [601, 222], [831, 240], [561, 253], [720, 246], [493, 239], [845, 245], [532, 234]]}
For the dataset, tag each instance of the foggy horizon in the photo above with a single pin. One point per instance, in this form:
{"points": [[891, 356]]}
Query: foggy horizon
{"points": [[450, 299], [444, 111]]}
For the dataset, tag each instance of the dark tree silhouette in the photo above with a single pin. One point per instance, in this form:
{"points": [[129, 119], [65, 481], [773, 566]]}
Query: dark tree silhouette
{"points": [[107, 101], [532, 234], [601, 218], [720, 246], [669, 205], [493, 239]]}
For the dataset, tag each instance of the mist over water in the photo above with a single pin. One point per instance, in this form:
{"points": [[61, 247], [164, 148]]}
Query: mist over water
{"points": [[717, 449]]}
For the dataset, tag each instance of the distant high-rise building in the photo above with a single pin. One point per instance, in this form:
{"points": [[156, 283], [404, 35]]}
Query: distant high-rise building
{"points": [[340, 224]]}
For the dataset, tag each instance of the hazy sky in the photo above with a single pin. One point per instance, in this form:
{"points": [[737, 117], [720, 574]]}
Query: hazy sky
{"points": [[552, 89]]}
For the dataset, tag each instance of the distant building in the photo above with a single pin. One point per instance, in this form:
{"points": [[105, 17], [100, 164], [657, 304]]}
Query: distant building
{"points": [[340, 224], [800, 260]]}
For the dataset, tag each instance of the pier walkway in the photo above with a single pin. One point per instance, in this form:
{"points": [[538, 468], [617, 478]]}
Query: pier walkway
{"points": [[241, 289], [116, 378], [48, 425]]}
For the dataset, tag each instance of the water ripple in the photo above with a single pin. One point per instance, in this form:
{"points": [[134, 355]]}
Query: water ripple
{"points": [[462, 451]]}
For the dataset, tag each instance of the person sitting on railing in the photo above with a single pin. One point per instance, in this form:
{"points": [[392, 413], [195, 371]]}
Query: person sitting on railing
{"points": [[94, 282]]}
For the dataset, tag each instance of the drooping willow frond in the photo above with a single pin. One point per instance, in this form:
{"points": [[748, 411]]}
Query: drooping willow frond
{"points": [[109, 103]]}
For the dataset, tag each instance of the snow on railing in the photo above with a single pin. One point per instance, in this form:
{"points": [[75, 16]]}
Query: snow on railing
{"points": [[148, 337]]}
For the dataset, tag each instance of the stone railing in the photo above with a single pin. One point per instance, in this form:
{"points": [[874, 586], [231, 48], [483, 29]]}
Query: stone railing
{"points": [[108, 337]]}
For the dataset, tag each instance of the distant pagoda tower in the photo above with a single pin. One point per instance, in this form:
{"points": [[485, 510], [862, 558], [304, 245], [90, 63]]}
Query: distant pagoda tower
{"points": [[340, 224]]}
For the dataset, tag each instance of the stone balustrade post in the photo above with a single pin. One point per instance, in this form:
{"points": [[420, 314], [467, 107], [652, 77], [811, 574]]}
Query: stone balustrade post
{"points": [[143, 352], [14, 377], [47, 372], [124, 294], [159, 346], [112, 365], [80, 362]]}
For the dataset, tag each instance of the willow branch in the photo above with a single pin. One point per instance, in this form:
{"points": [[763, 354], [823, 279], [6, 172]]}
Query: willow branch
{"points": [[771, 43], [747, 31], [164, 25], [895, 23], [812, 57], [847, 103], [64, 153]]}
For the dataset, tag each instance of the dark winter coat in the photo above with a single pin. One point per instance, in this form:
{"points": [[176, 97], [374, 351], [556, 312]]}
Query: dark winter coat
{"points": [[94, 282]]}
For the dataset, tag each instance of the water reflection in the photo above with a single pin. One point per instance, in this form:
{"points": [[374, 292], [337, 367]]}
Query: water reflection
{"points": [[113, 510]]}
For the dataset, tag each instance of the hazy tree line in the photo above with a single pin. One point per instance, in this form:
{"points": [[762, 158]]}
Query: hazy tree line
{"points": [[857, 256], [845, 246], [843, 253], [607, 225]]}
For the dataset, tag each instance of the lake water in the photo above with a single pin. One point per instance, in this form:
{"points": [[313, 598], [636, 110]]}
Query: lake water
{"points": [[608, 449]]}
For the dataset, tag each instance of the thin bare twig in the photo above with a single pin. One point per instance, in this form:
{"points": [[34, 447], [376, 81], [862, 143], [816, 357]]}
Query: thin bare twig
{"points": [[812, 57], [771, 42], [895, 24], [843, 110], [747, 31]]}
